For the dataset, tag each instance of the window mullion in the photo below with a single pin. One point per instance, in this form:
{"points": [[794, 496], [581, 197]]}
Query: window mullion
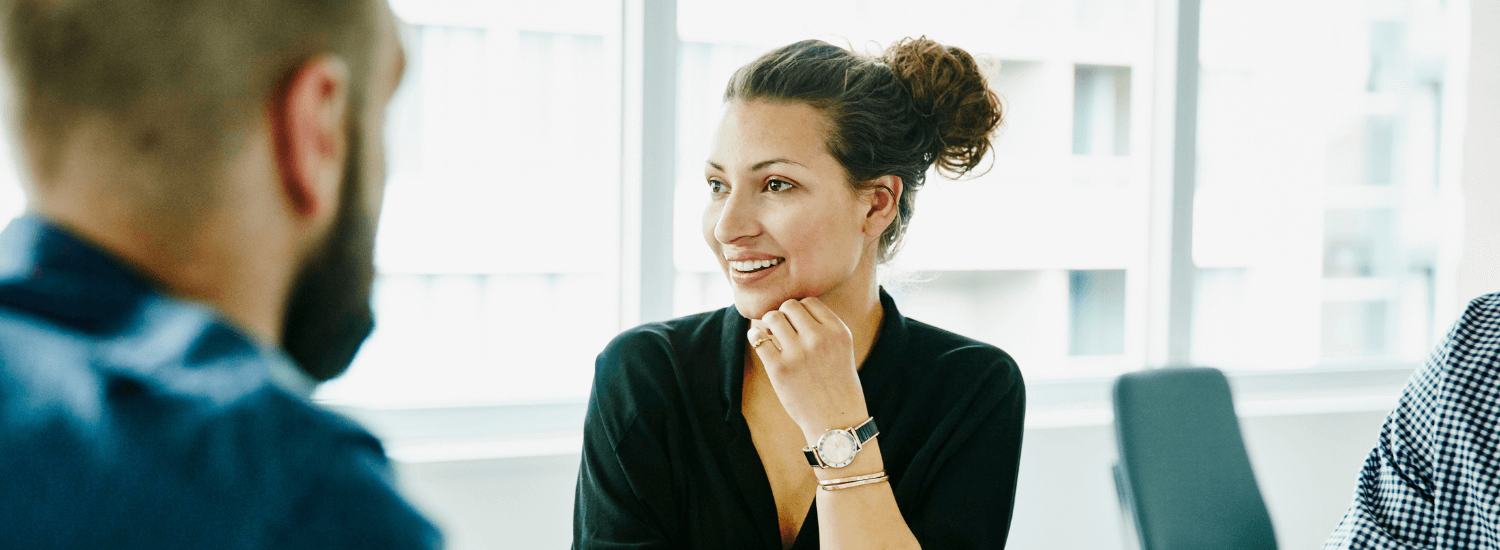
{"points": [[647, 146], [1175, 180]]}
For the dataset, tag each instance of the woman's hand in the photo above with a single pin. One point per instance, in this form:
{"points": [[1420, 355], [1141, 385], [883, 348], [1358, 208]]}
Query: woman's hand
{"points": [[808, 353]]}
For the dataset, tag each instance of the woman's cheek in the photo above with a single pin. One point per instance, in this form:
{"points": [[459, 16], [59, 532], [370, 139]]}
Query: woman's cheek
{"points": [[710, 220]]}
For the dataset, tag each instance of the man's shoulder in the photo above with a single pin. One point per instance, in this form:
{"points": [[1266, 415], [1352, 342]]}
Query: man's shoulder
{"points": [[178, 368], [1456, 387], [167, 350], [1472, 347], [171, 429], [1481, 321]]}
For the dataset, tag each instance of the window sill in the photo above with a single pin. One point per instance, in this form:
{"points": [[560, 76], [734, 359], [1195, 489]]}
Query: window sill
{"points": [[1055, 404], [452, 434]]}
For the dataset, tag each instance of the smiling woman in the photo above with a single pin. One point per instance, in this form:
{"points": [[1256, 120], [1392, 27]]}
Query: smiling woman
{"points": [[812, 413]]}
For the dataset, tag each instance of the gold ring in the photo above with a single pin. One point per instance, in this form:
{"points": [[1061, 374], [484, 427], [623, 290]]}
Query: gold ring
{"points": [[756, 344]]}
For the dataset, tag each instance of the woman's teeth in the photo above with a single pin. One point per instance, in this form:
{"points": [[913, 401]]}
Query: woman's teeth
{"points": [[754, 265]]}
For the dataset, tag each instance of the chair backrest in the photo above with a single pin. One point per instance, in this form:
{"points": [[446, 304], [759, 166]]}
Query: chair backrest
{"points": [[1183, 467]]}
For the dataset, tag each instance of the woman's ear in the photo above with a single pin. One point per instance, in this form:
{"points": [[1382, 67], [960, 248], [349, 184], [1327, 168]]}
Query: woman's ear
{"points": [[885, 201]]}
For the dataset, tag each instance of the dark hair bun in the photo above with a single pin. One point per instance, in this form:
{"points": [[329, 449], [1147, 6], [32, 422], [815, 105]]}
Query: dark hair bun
{"points": [[950, 93]]}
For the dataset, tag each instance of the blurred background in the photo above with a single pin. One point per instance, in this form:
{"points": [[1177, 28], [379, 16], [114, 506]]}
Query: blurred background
{"points": [[546, 189]]}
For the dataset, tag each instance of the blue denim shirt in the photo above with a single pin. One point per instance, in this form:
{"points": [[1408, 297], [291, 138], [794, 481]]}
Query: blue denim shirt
{"points": [[133, 419]]}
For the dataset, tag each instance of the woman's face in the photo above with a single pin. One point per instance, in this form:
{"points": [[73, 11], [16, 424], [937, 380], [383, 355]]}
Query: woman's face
{"points": [[781, 218]]}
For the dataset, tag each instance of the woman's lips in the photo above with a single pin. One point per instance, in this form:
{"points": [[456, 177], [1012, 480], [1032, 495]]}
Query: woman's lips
{"points": [[746, 266], [758, 270]]}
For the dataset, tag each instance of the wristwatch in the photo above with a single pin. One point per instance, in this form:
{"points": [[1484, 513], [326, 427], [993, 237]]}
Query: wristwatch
{"points": [[836, 448]]}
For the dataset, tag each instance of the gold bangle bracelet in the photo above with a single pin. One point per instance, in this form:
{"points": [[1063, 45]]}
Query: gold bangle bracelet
{"points": [[881, 479], [827, 482]]}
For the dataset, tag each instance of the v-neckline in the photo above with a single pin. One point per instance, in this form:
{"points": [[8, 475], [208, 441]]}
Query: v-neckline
{"points": [[743, 459], [761, 407], [745, 466]]}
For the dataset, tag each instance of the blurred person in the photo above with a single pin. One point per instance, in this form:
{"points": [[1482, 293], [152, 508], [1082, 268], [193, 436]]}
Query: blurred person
{"points": [[203, 180], [812, 413], [1432, 478]]}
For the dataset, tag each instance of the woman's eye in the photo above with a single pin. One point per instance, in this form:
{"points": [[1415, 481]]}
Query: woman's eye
{"points": [[777, 185], [715, 186]]}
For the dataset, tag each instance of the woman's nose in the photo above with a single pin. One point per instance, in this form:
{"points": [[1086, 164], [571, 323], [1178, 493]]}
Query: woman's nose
{"points": [[737, 220]]}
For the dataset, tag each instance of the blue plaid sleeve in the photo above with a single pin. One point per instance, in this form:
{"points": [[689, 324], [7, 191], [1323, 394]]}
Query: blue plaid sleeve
{"points": [[1431, 480]]}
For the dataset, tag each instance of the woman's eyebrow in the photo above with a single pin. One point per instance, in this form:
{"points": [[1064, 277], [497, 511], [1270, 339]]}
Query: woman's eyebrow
{"points": [[760, 165]]}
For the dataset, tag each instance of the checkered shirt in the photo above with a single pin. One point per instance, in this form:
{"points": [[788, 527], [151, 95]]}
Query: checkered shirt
{"points": [[1433, 478]]}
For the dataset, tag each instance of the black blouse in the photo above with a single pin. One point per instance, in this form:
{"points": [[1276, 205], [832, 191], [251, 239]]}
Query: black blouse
{"points": [[668, 461]]}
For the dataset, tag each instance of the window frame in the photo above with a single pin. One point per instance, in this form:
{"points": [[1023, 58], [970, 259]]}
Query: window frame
{"points": [[648, 44]]}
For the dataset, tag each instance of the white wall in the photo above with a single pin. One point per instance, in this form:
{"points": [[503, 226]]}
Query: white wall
{"points": [[519, 503], [1480, 271], [1306, 465]]}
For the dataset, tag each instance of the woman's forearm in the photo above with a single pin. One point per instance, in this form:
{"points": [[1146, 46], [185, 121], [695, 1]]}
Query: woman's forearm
{"points": [[863, 517]]}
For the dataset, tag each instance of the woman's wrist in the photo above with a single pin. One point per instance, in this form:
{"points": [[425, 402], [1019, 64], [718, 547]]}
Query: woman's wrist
{"points": [[843, 421], [868, 461]]}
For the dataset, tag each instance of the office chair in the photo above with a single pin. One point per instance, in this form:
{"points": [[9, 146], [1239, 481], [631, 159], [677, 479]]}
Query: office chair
{"points": [[1183, 476]]}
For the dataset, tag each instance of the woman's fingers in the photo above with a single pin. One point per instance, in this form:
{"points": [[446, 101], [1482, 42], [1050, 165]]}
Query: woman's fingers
{"points": [[796, 323], [801, 319], [820, 311], [777, 324], [762, 342]]}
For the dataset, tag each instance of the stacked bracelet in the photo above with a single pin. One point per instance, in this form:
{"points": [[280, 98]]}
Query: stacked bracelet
{"points": [[856, 481]]}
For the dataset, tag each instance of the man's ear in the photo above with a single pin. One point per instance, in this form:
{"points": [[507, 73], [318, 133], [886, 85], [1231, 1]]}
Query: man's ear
{"points": [[885, 201], [309, 130]]}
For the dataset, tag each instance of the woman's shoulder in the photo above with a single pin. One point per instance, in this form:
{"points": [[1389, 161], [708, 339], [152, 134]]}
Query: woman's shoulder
{"points": [[645, 368], [945, 350], [951, 371], [654, 343]]}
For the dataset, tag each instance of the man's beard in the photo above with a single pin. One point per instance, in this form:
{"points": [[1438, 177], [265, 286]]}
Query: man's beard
{"points": [[328, 315]]}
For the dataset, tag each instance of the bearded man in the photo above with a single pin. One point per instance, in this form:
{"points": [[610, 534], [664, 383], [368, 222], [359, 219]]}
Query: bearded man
{"points": [[203, 179]]}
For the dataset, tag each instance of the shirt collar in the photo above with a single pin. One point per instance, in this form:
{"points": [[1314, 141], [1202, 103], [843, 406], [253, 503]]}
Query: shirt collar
{"points": [[49, 272], [286, 375]]}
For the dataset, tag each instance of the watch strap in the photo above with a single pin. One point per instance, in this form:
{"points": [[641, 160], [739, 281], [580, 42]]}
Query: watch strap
{"points": [[867, 431], [812, 457]]}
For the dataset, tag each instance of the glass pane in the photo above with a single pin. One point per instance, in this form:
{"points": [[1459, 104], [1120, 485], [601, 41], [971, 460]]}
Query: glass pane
{"points": [[496, 280], [1097, 312], [1101, 110], [1044, 255], [1317, 214]]}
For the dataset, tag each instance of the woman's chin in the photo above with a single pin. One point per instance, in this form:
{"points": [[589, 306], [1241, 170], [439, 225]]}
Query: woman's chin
{"points": [[754, 305], [754, 309]]}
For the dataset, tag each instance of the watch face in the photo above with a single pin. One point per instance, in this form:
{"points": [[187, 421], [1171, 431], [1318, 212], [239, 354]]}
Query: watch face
{"points": [[836, 448]]}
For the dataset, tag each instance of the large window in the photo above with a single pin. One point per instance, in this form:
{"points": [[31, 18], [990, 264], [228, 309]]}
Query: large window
{"points": [[1324, 221], [498, 243], [1321, 217], [1319, 228]]}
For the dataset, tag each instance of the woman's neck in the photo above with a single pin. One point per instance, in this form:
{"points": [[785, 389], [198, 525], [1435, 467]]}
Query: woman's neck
{"points": [[857, 303]]}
